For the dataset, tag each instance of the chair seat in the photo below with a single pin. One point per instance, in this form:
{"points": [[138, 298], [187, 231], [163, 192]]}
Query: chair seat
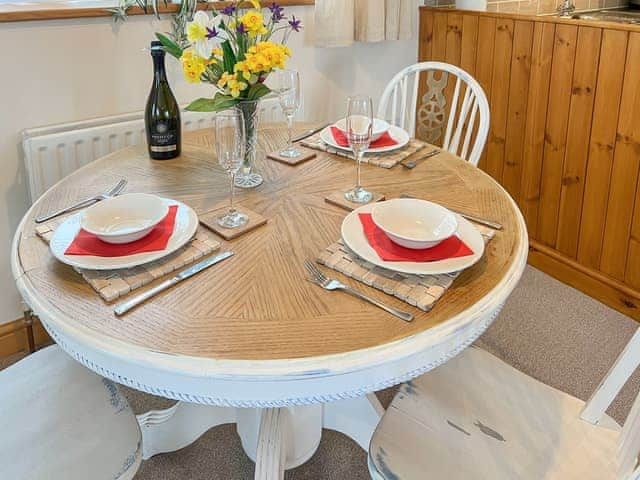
{"points": [[478, 418], [59, 420]]}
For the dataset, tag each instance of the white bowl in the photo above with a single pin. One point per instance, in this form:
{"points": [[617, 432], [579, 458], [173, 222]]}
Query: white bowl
{"points": [[379, 127], [124, 219], [414, 223]]}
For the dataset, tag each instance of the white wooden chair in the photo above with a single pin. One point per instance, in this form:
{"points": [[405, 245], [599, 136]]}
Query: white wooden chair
{"points": [[476, 417], [425, 117], [59, 420]]}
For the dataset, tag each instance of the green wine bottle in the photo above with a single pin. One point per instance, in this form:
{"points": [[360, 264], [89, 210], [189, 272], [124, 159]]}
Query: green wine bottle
{"points": [[162, 115]]}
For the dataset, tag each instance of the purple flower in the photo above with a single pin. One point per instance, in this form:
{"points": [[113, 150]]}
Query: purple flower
{"points": [[212, 33], [295, 23], [240, 28], [229, 10], [277, 12]]}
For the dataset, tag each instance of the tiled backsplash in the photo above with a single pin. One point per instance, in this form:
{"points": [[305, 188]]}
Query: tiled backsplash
{"points": [[534, 7]]}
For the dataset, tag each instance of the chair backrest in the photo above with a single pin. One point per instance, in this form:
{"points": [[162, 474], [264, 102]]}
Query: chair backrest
{"points": [[426, 117], [53, 152], [629, 443]]}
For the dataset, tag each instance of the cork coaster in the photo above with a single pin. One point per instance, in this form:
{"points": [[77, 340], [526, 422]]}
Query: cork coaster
{"points": [[337, 199], [306, 154], [210, 220], [421, 291]]}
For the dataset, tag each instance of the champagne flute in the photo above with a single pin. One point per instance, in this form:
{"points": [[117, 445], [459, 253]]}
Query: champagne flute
{"points": [[230, 146], [359, 135], [287, 84]]}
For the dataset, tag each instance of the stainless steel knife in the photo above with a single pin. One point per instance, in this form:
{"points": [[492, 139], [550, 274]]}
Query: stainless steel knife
{"points": [[308, 133], [124, 307]]}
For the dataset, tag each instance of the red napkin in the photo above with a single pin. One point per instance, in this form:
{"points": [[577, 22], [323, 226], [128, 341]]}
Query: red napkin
{"points": [[384, 141], [86, 243], [389, 251]]}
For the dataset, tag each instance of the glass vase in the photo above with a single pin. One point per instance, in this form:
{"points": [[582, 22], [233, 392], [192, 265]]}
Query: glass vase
{"points": [[247, 177]]}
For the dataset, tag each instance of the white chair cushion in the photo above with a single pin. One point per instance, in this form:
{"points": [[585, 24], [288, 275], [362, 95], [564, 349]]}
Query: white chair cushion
{"points": [[477, 418], [59, 420]]}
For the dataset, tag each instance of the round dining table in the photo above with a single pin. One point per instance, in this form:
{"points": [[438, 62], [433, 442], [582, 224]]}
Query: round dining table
{"points": [[250, 341]]}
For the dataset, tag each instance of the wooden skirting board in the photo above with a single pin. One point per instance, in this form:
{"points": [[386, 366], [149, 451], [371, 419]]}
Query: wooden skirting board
{"points": [[14, 337], [591, 282]]}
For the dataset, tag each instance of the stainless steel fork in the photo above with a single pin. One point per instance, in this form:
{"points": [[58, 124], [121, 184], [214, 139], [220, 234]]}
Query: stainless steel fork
{"points": [[319, 278], [85, 203]]}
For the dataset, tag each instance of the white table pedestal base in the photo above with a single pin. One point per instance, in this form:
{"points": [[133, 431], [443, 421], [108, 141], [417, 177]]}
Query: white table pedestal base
{"points": [[277, 439]]}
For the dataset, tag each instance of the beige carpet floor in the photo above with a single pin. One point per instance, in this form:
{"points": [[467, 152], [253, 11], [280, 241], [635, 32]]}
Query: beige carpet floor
{"points": [[548, 330]]}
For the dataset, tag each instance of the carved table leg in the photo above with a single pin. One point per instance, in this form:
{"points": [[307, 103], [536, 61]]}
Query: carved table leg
{"points": [[271, 450], [301, 429], [357, 418], [275, 438], [181, 425]]}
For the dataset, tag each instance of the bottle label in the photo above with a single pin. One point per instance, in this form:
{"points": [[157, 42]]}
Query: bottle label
{"points": [[166, 148], [163, 140]]}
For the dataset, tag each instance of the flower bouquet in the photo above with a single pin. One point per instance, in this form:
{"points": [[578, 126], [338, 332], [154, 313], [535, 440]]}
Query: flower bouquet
{"points": [[234, 50]]}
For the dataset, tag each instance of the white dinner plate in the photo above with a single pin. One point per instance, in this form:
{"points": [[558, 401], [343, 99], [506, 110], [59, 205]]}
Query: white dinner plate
{"points": [[185, 228], [398, 134], [354, 238]]}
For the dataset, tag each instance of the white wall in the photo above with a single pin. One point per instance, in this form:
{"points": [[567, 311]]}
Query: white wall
{"points": [[59, 71]]}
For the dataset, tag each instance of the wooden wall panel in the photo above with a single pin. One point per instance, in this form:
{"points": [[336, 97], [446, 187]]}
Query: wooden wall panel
{"points": [[624, 175], [439, 40], [453, 54], [601, 147], [564, 52], [564, 137], [583, 90], [517, 107], [484, 62], [469, 44], [499, 102], [541, 55]]}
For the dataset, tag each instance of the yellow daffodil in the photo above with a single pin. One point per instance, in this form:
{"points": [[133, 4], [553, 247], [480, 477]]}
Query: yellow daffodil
{"points": [[232, 85], [256, 4], [253, 22], [193, 66], [265, 56], [244, 69], [235, 87]]}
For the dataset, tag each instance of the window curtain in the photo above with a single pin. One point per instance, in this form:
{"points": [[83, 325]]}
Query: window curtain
{"points": [[339, 23]]}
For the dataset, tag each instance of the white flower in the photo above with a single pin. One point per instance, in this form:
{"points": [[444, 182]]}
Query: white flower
{"points": [[202, 34]]}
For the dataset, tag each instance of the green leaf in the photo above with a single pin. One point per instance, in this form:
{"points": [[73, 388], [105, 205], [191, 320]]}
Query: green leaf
{"points": [[215, 104], [229, 59], [171, 47], [257, 91]]}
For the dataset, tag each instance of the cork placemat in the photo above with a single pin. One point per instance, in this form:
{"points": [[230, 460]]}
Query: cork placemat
{"points": [[337, 199], [384, 160], [210, 220], [421, 291], [113, 284], [305, 155]]}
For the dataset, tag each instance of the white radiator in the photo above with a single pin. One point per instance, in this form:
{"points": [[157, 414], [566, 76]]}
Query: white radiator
{"points": [[53, 152]]}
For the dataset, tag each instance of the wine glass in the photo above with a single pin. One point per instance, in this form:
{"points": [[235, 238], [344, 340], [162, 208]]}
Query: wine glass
{"points": [[230, 145], [359, 134], [287, 84]]}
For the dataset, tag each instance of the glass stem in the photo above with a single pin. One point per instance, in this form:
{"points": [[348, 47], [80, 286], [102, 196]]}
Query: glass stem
{"points": [[232, 210], [289, 129], [358, 160]]}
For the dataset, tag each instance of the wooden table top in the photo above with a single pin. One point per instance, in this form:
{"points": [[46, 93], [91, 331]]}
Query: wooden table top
{"points": [[257, 305]]}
